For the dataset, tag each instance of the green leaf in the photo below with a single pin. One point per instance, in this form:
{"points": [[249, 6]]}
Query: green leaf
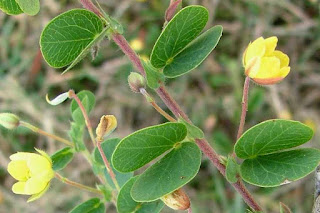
{"points": [[194, 54], [154, 76], [141, 147], [93, 205], [30, 7], [67, 35], [108, 147], [272, 136], [280, 168], [88, 101], [87, 49], [76, 135], [126, 204], [185, 26], [232, 170], [193, 131], [62, 158], [10, 7], [173, 171]]}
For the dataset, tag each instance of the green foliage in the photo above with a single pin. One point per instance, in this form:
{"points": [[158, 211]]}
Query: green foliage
{"points": [[125, 203], [194, 54], [153, 75], [193, 131], [88, 100], [108, 147], [173, 171], [67, 37], [94, 205], [62, 158], [185, 26], [232, 170], [76, 135], [10, 7], [141, 147], [280, 168], [272, 136], [30, 7]]}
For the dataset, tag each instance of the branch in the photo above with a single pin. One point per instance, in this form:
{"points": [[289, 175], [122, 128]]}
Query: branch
{"points": [[244, 106]]}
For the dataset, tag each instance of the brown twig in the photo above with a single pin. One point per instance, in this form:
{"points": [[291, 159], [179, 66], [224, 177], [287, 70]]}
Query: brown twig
{"points": [[244, 106], [88, 4]]}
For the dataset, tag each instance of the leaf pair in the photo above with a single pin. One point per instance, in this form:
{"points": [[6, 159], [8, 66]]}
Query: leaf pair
{"points": [[178, 49], [175, 169], [267, 162], [15, 7]]}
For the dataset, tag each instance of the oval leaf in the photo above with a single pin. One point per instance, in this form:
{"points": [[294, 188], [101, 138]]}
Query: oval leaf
{"points": [[30, 7], [61, 158], [126, 204], [272, 136], [231, 170], [108, 147], [141, 147], [194, 54], [10, 7], [185, 26], [67, 35], [173, 171], [93, 205], [280, 168]]}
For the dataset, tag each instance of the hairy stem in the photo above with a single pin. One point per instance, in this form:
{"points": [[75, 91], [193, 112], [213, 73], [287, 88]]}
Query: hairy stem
{"points": [[42, 132], [156, 106], [85, 115], [78, 185], [108, 167], [88, 4], [244, 106]]}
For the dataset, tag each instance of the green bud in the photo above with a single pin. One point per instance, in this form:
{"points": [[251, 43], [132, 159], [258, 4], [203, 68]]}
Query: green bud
{"points": [[9, 120], [136, 82]]}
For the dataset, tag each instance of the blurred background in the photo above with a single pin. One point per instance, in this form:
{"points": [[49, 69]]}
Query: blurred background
{"points": [[211, 94]]}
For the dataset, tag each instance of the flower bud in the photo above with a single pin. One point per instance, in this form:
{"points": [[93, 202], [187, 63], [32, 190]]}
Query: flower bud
{"points": [[9, 120], [136, 82], [107, 124], [177, 200]]}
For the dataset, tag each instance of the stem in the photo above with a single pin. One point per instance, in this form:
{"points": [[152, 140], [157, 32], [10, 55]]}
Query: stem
{"points": [[78, 185], [155, 105], [189, 210], [244, 106], [42, 132], [107, 164], [176, 110], [90, 6], [85, 115]]}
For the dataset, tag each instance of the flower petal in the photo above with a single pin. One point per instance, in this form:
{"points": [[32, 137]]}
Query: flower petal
{"points": [[38, 164], [269, 68], [19, 188], [22, 156], [284, 71], [256, 48], [284, 59], [253, 66], [44, 154], [271, 44], [38, 195], [35, 185], [19, 170]]}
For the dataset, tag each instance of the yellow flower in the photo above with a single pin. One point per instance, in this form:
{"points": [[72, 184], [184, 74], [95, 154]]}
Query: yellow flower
{"points": [[137, 44], [263, 64], [33, 173], [106, 126]]}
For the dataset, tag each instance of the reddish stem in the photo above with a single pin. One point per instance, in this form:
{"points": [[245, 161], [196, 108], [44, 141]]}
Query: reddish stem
{"points": [[90, 6], [172, 9]]}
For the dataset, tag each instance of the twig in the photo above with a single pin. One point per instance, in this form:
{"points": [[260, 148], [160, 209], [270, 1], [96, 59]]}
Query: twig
{"points": [[108, 167], [78, 185], [88, 4], [42, 132], [85, 115], [244, 106]]}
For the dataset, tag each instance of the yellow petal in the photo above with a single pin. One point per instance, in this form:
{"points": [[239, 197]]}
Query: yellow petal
{"points": [[271, 44], [253, 66], [35, 186], [38, 164], [269, 68], [256, 48], [284, 71], [19, 170], [22, 156], [44, 154], [38, 195], [284, 59], [19, 188]]}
